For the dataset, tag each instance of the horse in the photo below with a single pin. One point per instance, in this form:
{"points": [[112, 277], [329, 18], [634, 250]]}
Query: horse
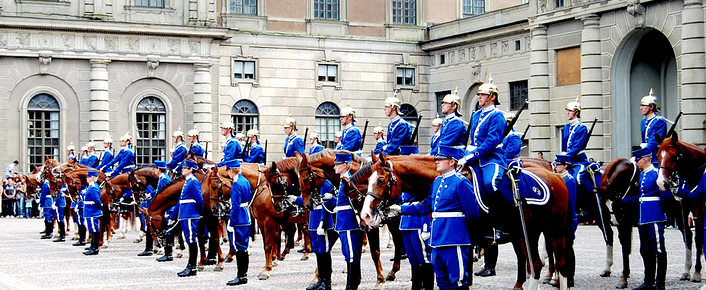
{"points": [[314, 169], [415, 174], [682, 160]]}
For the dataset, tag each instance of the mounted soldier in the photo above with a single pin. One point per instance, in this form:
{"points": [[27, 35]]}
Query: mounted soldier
{"points": [[257, 153], [107, 155], [337, 140], [351, 137], [651, 125], [379, 135], [71, 152], [453, 128], [196, 149], [179, 152], [315, 144], [293, 143], [231, 148], [436, 127], [91, 159], [512, 144], [126, 161], [399, 131]]}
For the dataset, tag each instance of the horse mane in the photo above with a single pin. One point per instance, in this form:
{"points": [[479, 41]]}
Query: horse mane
{"points": [[326, 153], [287, 164], [613, 165], [364, 172], [174, 180]]}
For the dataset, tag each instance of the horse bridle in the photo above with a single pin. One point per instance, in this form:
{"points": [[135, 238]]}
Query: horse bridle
{"points": [[223, 205], [391, 183]]}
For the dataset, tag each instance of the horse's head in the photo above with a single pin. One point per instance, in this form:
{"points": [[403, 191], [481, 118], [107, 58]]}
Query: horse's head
{"points": [[137, 185], [669, 153], [219, 193], [383, 188], [310, 181], [278, 183], [620, 179]]}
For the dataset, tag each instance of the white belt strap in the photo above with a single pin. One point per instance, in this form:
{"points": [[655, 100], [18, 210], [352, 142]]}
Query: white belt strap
{"points": [[187, 201], [89, 202], [649, 198], [342, 207], [244, 204], [447, 214], [317, 207]]}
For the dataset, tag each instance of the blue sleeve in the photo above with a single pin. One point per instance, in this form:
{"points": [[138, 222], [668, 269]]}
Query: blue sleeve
{"points": [[632, 200], [315, 149], [126, 160], [378, 147], [231, 151], [495, 136], [469, 205], [397, 138], [512, 147], [92, 162], [299, 145], [196, 190], [352, 140], [177, 157], [104, 162], [659, 128], [421, 208], [197, 151], [578, 140], [451, 132], [114, 160]]}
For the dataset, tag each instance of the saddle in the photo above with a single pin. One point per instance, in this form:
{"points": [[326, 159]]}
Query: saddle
{"points": [[526, 185]]}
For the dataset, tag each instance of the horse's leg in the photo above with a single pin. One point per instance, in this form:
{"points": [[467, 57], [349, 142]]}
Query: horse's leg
{"points": [[268, 228], [550, 256], [625, 237], [374, 239], [394, 227], [686, 238], [201, 240], [518, 247], [214, 248], [307, 241], [290, 231], [699, 239], [607, 231]]}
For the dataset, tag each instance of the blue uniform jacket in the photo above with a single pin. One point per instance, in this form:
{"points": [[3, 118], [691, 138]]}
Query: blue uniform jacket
{"points": [[92, 205], [571, 187], [454, 208], [399, 132], [512, 145], [316, 148], [163, 180], [232, 150], [650, 199], [487, 128], [45, 198], [91, 160], [452, 132], [573, 137], [78, 203], [107, 157], [191, 200], [240, 194], [413, 221], [434, 142], [346, 218], [178, 157], [351, 138], [125, 160], [379, 146], [696, 192], [320, 217], [293, 143], [60, 199], [257, 154], [649, 129], [197, 150]]}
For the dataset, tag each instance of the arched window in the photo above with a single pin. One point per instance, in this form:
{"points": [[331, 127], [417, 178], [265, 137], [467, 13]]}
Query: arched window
{"points": [[409, 114], [245, 116], [327, 123], [43, 129], [151, 139]]}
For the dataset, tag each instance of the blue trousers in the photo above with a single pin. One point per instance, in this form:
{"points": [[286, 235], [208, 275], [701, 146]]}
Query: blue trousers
{"points": [[188, 227], [48, 214], [78, 216], [322, 243], [651, 238], [418, 250], [240, 238], [351, 244], [127, 193], [92, 224], [450, 266], [59, 212]]}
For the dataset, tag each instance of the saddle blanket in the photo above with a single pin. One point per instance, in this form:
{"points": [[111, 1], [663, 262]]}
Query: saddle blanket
{"points": [[532, 188]]}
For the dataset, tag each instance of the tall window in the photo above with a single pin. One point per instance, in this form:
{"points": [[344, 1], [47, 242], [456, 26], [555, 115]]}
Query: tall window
{"points": [[150, 3], [243, 6], [244, 69], [245, 115], [473, 7], [409, 114], [404, 12], [326, 9], [518, 94], [327, 123], [559, 3], [328, 73], [43, 130], [405, 76], [151, 139]]}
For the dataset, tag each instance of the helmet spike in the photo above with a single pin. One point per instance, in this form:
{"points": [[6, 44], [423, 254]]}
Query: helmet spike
{"points": [[651, 92], [456, 91], [490, 78]]}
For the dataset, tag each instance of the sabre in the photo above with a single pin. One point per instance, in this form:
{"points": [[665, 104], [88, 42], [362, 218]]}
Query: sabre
{"points": [[590, 132], [523, 222], [525, 133], [205, 156], [365, 130], [598, 202], [508, 129], [265, 161], [674, 125], [416, 131], [306, 133]]}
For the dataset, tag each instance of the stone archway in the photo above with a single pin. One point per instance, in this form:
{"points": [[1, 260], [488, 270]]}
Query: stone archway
{"points": [[644, 60], [469, 101]]}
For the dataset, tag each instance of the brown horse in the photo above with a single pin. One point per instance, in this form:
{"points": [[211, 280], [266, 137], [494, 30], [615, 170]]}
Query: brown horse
{"points": [[415, 174], [316, 168], [685, 161]]}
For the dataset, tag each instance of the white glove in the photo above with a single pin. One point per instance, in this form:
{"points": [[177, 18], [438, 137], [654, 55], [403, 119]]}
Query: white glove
{"points": [[327, 197], [320, 230], [395, 209], [230, 229], [109, 174], [292, 198], [425, 233]]}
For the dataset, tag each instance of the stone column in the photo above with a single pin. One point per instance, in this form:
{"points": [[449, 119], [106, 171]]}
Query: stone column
{"points": [[202, 105], [592, 85], [99, 127], [541, 132], [693, 73]]}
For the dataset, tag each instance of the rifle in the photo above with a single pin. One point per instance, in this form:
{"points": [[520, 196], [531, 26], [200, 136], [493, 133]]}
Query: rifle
{"points": [[365, 129], [306, 134], [205, 156], [590, 132], [508, 129], [674, 125], [525, 133], [413, 138], [265, 161], [246, 150]]}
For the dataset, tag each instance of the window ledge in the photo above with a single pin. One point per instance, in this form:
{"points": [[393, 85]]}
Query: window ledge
{"points": [[63, 3], [414, 89], [149, 9], [321, 85], [327, 21], [253, 82]]}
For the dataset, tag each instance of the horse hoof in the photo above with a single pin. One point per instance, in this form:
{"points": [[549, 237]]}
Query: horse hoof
{"points": [[685, 277], [390, 278], [263, 276], [179, 255], [696, 278], [199, 268], [546, 280], [218, 269], [280, 258], [606, 273], [622, 285], [304, 258], [228, 260]]}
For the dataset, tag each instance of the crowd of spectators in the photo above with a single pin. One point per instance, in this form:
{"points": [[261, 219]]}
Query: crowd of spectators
{"points": [[15, 201]]}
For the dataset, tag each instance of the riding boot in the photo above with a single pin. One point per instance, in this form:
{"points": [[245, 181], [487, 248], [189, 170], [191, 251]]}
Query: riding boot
{"points": [[661, 270], [649, 261], [319, 267], [416, 278], [428, 274], [49, 229], [62, 233], [353, 276], [167, 254], [325, 271], [81, 236], [242, 259], [148, 246], [190, 269], [93, 249]]}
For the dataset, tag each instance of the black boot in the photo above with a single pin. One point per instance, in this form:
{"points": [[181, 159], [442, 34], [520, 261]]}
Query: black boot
{"points": [[49, 229], [93, 250], [148, 246], [661, 270], [427, 271], [62, 233], [81, 236], [353, 276], [318, 283], [168, 246], [416, 278], [190, 269], [242, 259], [325, 271]]}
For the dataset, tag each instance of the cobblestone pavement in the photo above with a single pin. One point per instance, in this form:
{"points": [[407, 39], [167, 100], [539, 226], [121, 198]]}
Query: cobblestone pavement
{"points": [[30, 263]]}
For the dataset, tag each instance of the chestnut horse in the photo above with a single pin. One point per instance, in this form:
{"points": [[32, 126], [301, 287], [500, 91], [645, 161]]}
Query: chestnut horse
{"points": [[415, 174], [316, 168], [679, 160]]}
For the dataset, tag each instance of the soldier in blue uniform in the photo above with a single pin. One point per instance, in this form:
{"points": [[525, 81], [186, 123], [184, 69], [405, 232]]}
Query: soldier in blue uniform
{"points": [[292, 143], [46, 202], [189, 211], [379, 135], [71, 152], [149, 195], [337, 140], [651, 221], [126, 161], [351, 137], [240, 138], [561, 165], [573, 140], [399, 131], [93, 210], [512, 144], [231, 148], [347, 224], [453, 128], [59, 210], [436, 127], [316, 146], [195, 148], [239, 220], [485, 157], [91, 159], [77, 205], [257, 153], [179, 153], [164, 179], [107, 156], [651, 125]]}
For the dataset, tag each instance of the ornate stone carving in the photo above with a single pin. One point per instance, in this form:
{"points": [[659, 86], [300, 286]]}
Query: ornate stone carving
{"points": [[3, 40], [133, 44], [194, 47], [476, 69], [174, 46], [45, 40], [542, 6], [152, 64], [22, 39], [111, 43], [44, 61], [637, 10], [504, 46], [528, 43], [89, 43], [472, 53], [493, 49], [452, 56], [576, 2], [68, 41], [461, 55]]}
